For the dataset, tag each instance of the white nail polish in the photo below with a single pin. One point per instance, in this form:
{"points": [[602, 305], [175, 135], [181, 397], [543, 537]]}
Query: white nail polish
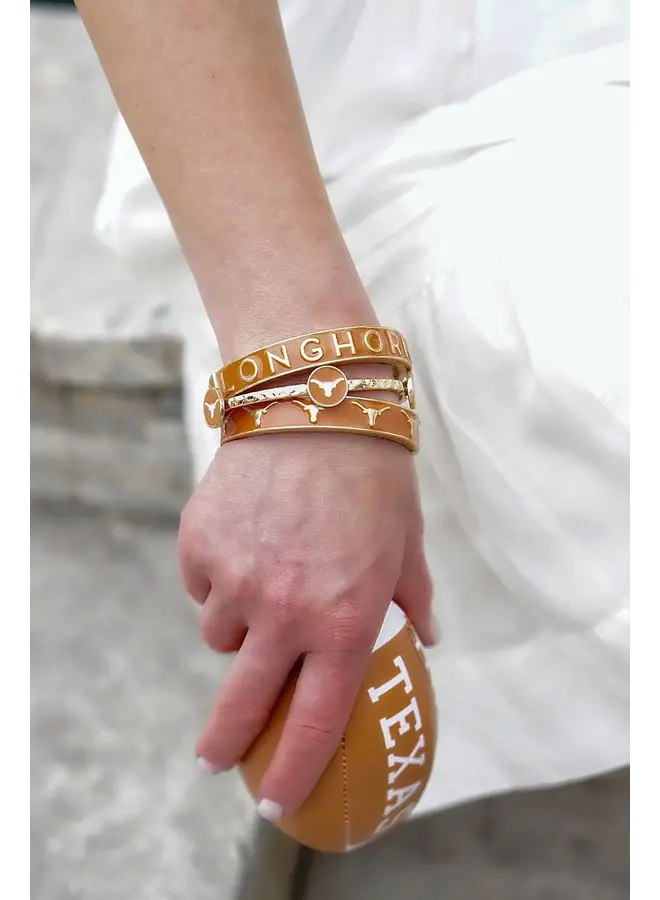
{"points": [[207, 767], [270, 810]]}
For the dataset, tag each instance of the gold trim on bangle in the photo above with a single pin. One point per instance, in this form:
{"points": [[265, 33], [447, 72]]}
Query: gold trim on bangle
{"points": [[409, 390], [393, 385], [358, 415]]}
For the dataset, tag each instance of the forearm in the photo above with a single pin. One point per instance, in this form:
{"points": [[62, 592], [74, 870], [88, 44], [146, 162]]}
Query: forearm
{"points": [[207, 89]]}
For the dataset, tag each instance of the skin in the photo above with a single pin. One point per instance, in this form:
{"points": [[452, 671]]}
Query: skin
{"points": [[293, 545]]}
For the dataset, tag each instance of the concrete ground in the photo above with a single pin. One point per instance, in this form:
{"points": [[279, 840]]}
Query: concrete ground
{"points": [[121, 686], [121, 682]]}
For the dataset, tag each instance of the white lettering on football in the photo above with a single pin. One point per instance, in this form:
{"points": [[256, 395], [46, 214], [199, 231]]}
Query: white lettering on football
{"points": [[402, 678], [399, 796], [400, 719], [404, 761]]}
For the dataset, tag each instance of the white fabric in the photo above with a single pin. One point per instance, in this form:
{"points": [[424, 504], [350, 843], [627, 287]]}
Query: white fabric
{"points": [[493, 233]]}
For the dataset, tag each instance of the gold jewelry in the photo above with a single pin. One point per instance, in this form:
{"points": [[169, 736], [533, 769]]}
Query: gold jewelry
{"points": [[378, 418], [326, 386], [370, 343]]}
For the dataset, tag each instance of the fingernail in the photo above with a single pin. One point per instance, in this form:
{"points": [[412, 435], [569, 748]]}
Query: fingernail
{"points": [[207, 767], [270, 810]]}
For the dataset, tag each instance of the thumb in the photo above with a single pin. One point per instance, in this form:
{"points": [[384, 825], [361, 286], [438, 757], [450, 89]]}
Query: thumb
{"points": [[414, 593]]}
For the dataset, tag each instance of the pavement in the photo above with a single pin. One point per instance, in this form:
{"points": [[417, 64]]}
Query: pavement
{"points": [[121, 682], [121, 686]]}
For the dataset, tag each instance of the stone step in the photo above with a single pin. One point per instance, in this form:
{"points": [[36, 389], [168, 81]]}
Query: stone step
{"points": [[105, 352], [101, 470]]}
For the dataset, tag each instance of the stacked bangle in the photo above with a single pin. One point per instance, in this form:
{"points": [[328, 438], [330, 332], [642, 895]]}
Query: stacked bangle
{"points": [[328, 401]]}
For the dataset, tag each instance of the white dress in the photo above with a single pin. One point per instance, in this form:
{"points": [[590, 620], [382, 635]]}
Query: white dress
{"points": [[476, 157]]}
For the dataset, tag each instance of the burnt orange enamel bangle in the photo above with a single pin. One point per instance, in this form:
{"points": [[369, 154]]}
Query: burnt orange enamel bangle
{"points": [[345, 345], [354, 415]]}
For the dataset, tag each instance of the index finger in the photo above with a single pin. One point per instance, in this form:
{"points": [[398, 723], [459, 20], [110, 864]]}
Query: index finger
{"points": [[245, 701], [322, 703]]}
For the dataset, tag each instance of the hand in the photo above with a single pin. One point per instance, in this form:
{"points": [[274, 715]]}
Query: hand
{"points": [[295, 545]]}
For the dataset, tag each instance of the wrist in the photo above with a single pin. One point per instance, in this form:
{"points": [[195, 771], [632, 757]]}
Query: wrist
{"points": [[238, 335], [257, 312]]}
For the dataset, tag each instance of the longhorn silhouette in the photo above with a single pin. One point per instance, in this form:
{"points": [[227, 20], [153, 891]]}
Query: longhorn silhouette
{"points": [[258, 414], [370, 412], [311, 410], [211, 407], [327, 386]]}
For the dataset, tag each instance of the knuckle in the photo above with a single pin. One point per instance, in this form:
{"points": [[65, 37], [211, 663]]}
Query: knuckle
{"points": [[219, 635], [209, 631], [212, 634], [225, 643], [231, 577], [191, 539], [282, 604], [349, 629]]}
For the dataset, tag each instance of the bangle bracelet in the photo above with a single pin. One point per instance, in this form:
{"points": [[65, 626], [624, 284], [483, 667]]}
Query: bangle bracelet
{"points": [[357, 344], [378, 418], [326, 386]]}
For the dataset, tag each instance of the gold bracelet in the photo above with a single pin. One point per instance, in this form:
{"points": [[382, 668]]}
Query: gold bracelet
{"points": [[378, 418], [370, 343], [326, 386]]}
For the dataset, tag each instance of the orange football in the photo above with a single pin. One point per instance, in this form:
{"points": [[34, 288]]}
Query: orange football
{"points": [[380, 769]]}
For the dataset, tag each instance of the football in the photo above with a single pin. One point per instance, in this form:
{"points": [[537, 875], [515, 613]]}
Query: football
{"points": [[384, 760]]}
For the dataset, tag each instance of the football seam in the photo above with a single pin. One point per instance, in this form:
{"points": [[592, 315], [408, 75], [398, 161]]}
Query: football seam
{"points": [[344, 791]]}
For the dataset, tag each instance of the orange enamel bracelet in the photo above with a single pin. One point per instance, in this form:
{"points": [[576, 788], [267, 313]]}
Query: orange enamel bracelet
{"points": [[371, 343], [354, 415]]}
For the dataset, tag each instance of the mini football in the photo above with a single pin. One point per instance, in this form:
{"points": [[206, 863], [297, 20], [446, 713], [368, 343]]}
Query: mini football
{"points": [[383, 763]]}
